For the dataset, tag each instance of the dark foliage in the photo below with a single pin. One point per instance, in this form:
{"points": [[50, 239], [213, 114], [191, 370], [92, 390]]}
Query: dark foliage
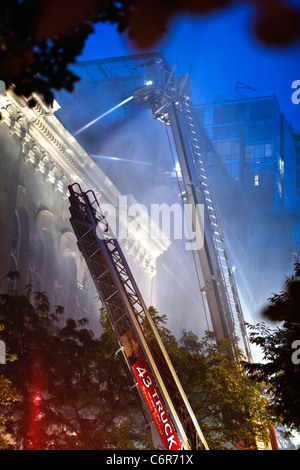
{"points": [[72, 389], [280, 369], [39, 39], [286, 305]]}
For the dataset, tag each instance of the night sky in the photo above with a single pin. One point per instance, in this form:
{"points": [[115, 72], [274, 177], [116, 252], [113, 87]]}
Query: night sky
{"points": [[221, 49]]}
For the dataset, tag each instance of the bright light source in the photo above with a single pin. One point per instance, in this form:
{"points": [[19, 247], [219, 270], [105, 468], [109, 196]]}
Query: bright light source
{"points": [[149, 82], [177, 167]]}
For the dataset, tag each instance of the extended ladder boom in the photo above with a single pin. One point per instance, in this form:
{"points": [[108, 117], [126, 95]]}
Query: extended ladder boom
{"points": [[168, 96], [165, 402]]}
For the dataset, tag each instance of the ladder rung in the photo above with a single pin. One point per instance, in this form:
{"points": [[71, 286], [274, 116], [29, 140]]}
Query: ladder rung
{"points": [[112, 295]]}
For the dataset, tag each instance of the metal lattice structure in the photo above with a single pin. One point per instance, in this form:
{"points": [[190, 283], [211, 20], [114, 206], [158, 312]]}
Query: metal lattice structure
{"points": [[164, 401]]}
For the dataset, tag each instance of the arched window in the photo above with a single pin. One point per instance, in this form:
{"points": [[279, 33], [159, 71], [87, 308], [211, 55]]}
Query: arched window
{"points": [[66, 283], [20, 249], [44, 254]]}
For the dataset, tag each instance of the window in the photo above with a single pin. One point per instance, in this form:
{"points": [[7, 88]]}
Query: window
{"points": [[235, 147], [262, 109], [269, 150], [260, 131], [250, 152], [226, 148], [226, 132], [225, 113], [259, 151]]}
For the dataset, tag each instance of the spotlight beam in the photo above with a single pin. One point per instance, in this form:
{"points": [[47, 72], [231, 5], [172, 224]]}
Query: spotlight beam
{"points": [[103, 115]]}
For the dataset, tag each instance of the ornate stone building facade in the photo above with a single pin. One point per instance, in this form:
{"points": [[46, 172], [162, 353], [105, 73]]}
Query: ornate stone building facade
{"points": [[39, 159]]}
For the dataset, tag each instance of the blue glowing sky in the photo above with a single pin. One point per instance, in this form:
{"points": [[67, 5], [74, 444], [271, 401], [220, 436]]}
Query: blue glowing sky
{"points": [[221, 49]]}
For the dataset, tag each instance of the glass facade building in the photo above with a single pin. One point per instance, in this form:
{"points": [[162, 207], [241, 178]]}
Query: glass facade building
{"points": [[256, 146], [260, 151]]}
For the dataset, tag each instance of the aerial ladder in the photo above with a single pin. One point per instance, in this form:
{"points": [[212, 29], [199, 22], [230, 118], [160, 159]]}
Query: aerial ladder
{"points": [[164, 403], [169, 98]]}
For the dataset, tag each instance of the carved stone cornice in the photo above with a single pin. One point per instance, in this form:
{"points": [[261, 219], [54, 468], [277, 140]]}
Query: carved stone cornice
{"points": [[53, 151]]}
